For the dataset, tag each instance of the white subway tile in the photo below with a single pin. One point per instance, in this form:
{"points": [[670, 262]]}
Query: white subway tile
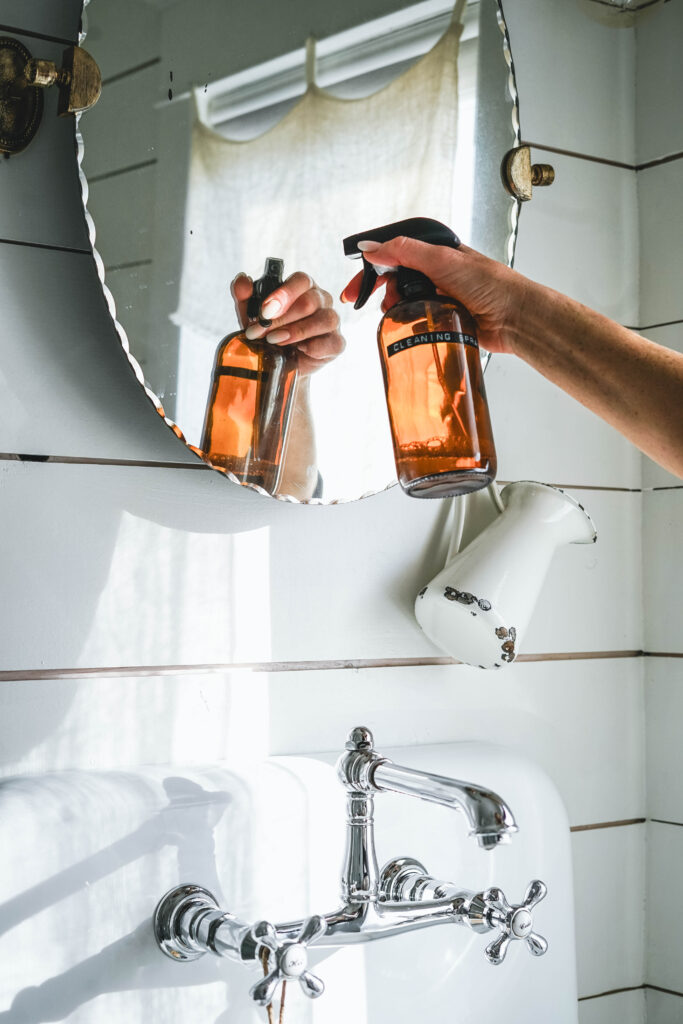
{"points": [[580, 236], [111, 723], [659, 83], [541, 433], [609, 875], [194, 571], [592, 593], [660, 200], [157, 567], [663, 1007], [539, 710], [663, 569], [620, 1008], [575, 79], [66, 387], [664, 906], [664, 714], [44, 16]]}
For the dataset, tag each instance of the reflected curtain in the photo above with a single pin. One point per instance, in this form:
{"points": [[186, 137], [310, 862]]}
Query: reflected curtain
{"points": [[329, 168]]}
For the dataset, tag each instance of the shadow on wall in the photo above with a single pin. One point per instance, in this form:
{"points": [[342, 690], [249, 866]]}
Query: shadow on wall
{"points": [[181, 836]]}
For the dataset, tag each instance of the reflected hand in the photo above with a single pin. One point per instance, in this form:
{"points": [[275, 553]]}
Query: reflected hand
{"points": [[493, 293], [302, 316]]}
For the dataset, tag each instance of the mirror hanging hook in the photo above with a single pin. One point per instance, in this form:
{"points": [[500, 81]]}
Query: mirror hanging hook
{"points": [[519, 174]]}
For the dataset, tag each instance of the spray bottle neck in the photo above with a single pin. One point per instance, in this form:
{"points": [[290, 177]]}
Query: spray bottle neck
{"points": [[413, 285]]}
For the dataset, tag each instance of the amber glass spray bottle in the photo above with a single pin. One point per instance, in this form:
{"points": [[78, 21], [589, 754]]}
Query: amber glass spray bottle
{"points": [[252, 394], [433, 379]]}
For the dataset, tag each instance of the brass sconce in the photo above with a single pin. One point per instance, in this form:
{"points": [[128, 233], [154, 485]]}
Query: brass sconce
{"points": [[21, 80], [520, 175]]}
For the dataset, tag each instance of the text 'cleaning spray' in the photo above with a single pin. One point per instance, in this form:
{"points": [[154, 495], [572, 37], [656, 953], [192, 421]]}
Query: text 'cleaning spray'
{"points": [[433, 378]]}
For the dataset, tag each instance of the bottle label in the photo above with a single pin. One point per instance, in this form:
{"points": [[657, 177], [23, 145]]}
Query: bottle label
{"points": [[431, 338], [243, 372]]}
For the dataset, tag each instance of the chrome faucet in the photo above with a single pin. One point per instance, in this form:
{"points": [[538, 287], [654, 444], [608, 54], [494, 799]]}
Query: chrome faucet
{"points": [[188, 921]]}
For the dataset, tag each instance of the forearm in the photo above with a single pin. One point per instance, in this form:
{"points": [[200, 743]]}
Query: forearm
{"points": [[631, 382]]}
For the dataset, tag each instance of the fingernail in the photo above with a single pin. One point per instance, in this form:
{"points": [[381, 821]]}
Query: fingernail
{"points": [[369, 246], [254, 332], [277, 337], [270, 309]]}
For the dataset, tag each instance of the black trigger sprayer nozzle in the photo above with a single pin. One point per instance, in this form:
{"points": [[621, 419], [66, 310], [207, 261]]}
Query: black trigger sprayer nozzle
{"points": [[423, 228], [263, 287]]}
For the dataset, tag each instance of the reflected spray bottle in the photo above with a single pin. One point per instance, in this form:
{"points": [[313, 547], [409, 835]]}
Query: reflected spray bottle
{"points": [[252, 396], [433, 378]]}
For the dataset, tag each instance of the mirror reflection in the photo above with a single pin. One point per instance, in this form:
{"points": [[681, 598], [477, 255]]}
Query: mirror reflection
{"points": [[231, 150]]}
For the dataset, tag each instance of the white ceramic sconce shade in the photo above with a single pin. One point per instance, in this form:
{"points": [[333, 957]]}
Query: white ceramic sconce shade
{"points": [[479, 606]]}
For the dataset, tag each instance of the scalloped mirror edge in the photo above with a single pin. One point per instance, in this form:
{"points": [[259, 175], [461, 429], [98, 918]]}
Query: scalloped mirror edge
{"points": [[509, 249]]}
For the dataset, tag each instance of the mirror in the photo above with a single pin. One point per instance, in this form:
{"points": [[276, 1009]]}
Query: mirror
{"points": [[223, 138]]}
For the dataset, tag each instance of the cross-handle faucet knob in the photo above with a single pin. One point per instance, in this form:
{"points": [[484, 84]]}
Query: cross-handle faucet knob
{"points": [[513, 922], [286, 960]]}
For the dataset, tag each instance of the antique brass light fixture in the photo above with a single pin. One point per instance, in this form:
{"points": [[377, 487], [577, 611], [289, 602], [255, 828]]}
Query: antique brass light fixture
{"points": [[22, 78]]}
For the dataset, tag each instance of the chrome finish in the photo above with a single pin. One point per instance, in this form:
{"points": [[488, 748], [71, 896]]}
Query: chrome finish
{"points": [[286, 959], [170, 920], [362, 770], [513, 922], [490, 819], [375, 904], [407, 879], [188, 923]]}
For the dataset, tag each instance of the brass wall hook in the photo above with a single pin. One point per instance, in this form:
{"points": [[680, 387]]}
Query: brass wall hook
{"points": [[22, 77], [519, 174]]}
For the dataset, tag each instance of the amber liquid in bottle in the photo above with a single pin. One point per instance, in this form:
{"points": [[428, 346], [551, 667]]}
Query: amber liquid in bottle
{"points": [[440, 423], [249, 409]]}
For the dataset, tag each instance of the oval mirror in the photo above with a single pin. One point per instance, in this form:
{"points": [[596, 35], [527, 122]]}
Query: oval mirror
{"points": [[227, 135]]}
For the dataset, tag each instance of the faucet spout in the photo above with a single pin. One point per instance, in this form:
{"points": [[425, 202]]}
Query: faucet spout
{"points": [[363, 771], [490, 819]]}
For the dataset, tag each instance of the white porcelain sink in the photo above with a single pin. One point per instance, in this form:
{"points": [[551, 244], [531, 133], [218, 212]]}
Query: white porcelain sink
{"points": [[85, 857]]}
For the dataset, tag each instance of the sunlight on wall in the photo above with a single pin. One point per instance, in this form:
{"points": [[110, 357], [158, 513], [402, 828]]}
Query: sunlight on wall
{"points": [[201, 597], [219, 612]]}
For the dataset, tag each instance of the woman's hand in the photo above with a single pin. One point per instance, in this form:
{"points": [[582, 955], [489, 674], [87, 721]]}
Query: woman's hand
{"points": [[490, 291], [302, 316]]}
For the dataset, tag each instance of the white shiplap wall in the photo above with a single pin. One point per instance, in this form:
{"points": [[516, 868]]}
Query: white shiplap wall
{"points": [[119, 568], [659, 126]]}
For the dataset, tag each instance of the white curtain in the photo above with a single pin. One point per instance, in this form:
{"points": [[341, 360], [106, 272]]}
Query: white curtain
{"points": [[331, 167]]}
